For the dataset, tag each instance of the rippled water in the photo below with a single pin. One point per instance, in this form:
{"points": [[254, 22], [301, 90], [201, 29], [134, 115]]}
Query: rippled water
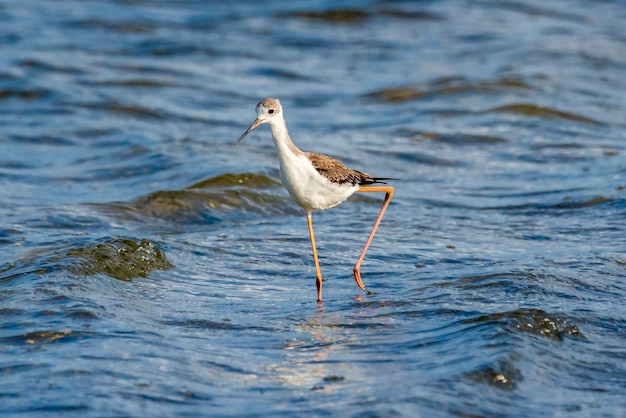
{"points": [[150, 268]]}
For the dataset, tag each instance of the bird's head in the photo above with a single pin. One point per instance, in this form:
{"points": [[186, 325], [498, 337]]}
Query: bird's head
{"points": [[267, 110]]}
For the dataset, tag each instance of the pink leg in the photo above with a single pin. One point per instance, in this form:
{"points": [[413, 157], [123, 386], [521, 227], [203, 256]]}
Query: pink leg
{"points": [[389, 194]]}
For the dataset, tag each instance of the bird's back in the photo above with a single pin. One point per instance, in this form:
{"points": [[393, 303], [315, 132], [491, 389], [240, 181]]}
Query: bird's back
{"points": [[335, 171]]}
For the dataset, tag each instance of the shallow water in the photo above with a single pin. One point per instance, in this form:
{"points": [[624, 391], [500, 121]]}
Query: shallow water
{"points": [[150, 268]]}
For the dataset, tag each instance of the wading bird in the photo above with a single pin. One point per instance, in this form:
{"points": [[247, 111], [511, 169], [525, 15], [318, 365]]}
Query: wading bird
{"points": [[316, 181]]}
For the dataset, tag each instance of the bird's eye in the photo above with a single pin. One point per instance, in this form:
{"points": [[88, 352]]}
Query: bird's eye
{"points": [[271, 111]]}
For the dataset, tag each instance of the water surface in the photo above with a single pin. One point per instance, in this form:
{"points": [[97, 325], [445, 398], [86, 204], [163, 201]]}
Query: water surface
{"points": [[150, 268]]}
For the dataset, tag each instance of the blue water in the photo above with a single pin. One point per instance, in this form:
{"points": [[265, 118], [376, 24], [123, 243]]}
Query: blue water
{"points": [[150, 268]]}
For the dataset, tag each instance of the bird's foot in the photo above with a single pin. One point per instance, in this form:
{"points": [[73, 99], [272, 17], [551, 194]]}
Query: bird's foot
{"points": [[357, 278]]}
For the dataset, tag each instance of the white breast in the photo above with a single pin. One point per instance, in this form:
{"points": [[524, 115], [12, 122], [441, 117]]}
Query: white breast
{"points": [[308, 188]]}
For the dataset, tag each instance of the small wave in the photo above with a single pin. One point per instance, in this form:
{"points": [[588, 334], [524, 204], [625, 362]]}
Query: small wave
{"points": [[167, 47], [24, 94], [123, 109], [358, 15], [567, 203], [335, 16], [535, 11], [50, 140], [137, 82], [137, 111], [40, 337], [453, 138], [422, 158], [121, 27], [446, 86], [44, 67], [121, 258], [532, 110], [533, 321], [503, 374], [208, 201], [223, 325], [278, 73], [250, 180], [581, 204]]}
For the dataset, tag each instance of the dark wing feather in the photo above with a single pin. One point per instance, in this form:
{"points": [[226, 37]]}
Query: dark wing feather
{"points": [[336, 172]]}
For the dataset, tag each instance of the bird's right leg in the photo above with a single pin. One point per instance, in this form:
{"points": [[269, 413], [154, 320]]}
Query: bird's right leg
{"points": [[318, 272], [388, 190]]}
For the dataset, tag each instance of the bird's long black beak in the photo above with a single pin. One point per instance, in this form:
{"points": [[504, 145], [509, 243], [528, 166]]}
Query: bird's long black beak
{"points": [[250, 129]]}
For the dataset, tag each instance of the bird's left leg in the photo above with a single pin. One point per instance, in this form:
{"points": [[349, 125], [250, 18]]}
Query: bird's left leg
{"points": [[318, 272], [389, 194]]}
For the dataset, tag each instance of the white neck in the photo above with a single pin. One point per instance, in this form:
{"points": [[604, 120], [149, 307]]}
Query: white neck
{"points": [[282, 140]]}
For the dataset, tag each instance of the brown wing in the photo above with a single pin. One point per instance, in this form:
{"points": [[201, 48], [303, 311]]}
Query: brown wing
{"points": [[336, 172]]}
